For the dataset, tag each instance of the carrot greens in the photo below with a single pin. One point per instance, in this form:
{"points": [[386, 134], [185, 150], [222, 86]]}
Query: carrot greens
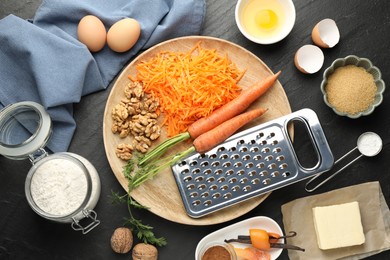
{"points": [[143, 231]]}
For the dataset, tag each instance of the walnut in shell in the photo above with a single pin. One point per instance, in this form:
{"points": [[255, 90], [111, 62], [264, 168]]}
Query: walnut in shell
{"points": [[144, 251], [122, 240]]}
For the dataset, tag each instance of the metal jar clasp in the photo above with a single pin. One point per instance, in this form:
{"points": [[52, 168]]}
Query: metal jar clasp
{"points": [[90, 215]]}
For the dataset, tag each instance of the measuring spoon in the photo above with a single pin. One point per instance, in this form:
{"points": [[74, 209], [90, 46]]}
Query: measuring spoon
{"points": [[369, 144]]}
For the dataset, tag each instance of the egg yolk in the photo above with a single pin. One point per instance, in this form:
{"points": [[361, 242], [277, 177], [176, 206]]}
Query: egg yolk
{"points": [[266, 19]]}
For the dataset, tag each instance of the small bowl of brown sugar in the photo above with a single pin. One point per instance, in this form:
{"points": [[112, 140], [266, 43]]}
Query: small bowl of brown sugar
{"points": [[352, 86]]}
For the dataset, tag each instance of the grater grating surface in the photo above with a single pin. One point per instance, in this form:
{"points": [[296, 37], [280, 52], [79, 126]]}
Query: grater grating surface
{"points": [[248, 164]]}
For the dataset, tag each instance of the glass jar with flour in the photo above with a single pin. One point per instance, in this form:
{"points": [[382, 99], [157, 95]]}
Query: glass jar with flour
{"points": [[62, 187]]}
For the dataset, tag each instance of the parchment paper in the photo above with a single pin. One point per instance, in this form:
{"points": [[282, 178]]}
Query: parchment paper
{"points": [[375, 214]]}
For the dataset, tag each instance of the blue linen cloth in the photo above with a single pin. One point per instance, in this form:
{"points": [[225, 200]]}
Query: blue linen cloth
{"points": [[41, 60]]}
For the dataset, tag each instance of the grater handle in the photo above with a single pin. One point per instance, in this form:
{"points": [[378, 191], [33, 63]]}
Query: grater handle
{"points": [[318, 138]]}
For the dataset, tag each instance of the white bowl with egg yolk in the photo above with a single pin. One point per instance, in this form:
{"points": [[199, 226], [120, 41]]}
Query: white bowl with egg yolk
{"points": [[265, 21]]}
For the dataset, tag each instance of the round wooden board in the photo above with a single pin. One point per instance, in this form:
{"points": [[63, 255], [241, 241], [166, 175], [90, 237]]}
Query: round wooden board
{"points": [[161, 194]]}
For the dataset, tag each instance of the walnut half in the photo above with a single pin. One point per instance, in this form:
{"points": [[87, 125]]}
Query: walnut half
{"points": [[124, 151]]}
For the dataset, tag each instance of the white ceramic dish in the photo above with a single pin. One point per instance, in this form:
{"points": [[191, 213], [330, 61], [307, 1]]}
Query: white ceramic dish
{"points": [[289, 16], [242, 228]]}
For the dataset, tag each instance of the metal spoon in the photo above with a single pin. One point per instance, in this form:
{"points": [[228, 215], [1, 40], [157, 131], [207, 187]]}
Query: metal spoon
{"points": [[369, 144]]}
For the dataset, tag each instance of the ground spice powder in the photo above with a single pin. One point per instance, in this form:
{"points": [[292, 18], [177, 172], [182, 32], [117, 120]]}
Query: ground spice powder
{"points": [[216, 253], [351, 89]]}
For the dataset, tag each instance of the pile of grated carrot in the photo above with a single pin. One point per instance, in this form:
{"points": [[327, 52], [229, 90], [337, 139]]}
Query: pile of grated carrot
{"points": [[189, 85]]}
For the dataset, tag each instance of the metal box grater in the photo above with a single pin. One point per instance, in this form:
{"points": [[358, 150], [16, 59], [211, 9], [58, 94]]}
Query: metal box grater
{"points": [[250, 163]]}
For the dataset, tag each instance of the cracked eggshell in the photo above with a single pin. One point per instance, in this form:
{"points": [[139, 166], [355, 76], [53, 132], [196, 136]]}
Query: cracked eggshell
{"points": [[309, 59], [326, 34]]}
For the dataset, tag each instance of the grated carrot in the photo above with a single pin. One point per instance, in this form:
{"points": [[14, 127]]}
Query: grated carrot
{"points": [[189, 85]]}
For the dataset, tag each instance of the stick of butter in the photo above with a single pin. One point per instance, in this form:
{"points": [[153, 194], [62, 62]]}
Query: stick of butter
{"points": [[338, 225]]}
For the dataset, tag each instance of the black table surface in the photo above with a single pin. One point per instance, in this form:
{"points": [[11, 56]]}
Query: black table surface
{"points": [[365, 29]]}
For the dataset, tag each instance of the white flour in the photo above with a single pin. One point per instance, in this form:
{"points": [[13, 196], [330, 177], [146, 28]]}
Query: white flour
{"points": [[59, 187], [369, 144]]}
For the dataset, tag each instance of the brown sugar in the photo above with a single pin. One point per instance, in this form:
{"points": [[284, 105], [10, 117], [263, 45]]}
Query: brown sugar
{"points": [[351, 89]]}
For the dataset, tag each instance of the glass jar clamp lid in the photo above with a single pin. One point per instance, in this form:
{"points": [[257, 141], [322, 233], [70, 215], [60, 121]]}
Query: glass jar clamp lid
{"points": [[62, 187], [25, 128]]}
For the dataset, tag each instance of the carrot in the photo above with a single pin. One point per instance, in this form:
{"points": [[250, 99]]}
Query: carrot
{"points": [[201, 144], [233, 108], [228, 111], [220, 133]]}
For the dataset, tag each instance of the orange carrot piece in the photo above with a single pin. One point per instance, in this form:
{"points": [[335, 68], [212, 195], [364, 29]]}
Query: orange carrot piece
{"points": [[217, 135], [233, 108]]}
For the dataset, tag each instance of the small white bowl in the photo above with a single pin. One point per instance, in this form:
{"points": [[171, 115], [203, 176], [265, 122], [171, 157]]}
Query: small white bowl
{"points": [[289, 11], [242, 228]]}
